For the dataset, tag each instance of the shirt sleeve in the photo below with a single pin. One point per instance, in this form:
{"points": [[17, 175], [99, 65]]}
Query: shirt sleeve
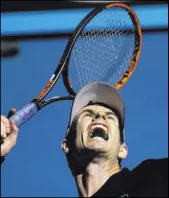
{"points": [[153, 175], [158, 167]]}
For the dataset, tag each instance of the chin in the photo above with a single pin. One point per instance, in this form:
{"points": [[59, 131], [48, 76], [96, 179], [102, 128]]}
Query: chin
{"points": [[97, 146]]}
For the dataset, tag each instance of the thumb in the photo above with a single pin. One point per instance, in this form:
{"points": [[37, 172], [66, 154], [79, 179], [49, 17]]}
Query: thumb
{"points": [[11, 112], [14, 131]]}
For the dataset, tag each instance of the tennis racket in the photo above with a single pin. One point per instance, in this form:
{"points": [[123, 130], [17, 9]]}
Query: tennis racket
{"points": [[105, 47]]}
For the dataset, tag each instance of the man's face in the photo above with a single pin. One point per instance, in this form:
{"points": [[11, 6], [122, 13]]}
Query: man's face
{"points": [[97, 129]]}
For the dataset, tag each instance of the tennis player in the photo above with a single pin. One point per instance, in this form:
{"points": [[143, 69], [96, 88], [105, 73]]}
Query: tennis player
{"points": [[95, 145]]}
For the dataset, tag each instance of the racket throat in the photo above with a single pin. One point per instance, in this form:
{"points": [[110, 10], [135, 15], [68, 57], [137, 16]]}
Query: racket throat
{"points": [[38, 104]]}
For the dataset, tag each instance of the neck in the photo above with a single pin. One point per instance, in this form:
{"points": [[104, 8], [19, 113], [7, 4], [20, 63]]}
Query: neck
{"points": [[94, 177]]}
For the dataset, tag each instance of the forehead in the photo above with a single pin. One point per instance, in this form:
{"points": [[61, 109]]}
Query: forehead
{"points": [[96, 108]]}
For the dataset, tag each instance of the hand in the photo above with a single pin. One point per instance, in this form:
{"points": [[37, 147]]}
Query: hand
{"points": [[9, 133]]}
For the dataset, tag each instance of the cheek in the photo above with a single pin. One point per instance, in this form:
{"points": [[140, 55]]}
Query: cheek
{"points": [[115, 136], [116, 146], [83, 125], [81, 132]]}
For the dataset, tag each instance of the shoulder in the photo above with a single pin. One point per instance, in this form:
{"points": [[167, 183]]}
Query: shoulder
{"points": [[150, 178], [152, 168], [153, 164]]}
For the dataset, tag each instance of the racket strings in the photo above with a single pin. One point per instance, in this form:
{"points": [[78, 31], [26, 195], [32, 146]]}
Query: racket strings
{"points": [[121, 35], [103, 50]]}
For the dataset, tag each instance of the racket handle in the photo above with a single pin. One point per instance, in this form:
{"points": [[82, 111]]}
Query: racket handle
{"points": [[24, 114]]}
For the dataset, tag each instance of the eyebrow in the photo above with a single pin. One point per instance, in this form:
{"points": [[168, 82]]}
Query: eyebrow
{"points": [[93, 112]]}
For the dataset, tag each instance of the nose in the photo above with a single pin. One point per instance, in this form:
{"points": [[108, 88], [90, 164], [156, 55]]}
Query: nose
{"points": [[100, 115]]}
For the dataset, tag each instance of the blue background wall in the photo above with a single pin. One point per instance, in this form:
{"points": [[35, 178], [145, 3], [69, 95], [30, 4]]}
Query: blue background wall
{"points": [[37, 166]]}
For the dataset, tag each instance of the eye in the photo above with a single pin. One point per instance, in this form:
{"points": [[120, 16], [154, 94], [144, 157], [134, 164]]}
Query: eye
{"points": [[88, 115], [111, 117]]}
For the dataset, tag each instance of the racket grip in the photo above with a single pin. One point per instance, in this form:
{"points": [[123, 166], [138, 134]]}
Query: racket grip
{"points": [[24, 114]]}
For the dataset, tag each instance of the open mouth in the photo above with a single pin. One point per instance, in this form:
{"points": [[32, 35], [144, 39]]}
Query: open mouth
{"points": [[98, 130]]}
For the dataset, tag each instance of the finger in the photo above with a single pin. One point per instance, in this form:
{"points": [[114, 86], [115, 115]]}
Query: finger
{"points": [[10, 141], [13, 126], [11, 112], [3, 135], [12, 137], [3, 130], [5, 126], [5, 121]]}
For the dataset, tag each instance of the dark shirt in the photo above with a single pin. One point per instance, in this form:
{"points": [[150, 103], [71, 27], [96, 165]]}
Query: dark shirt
{"points": [[149, 179]]}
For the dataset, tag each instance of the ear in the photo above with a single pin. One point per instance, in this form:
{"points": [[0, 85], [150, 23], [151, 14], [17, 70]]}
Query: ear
{"points": [[64, 146], [123, 151]]}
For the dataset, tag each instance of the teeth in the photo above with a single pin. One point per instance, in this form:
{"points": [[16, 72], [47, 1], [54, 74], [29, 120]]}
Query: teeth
{"points": [[99, 126], [98, 130]]}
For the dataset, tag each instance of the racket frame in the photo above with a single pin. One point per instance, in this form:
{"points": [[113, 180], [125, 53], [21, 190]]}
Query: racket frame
{"points": [[63, 67], [36, 104]]}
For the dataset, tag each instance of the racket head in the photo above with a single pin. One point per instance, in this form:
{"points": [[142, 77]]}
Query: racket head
{"points": [[105, 47], [87, 58]]}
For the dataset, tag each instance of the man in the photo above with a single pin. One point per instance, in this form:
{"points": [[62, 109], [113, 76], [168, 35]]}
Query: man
{"points": [[95, 145]]}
